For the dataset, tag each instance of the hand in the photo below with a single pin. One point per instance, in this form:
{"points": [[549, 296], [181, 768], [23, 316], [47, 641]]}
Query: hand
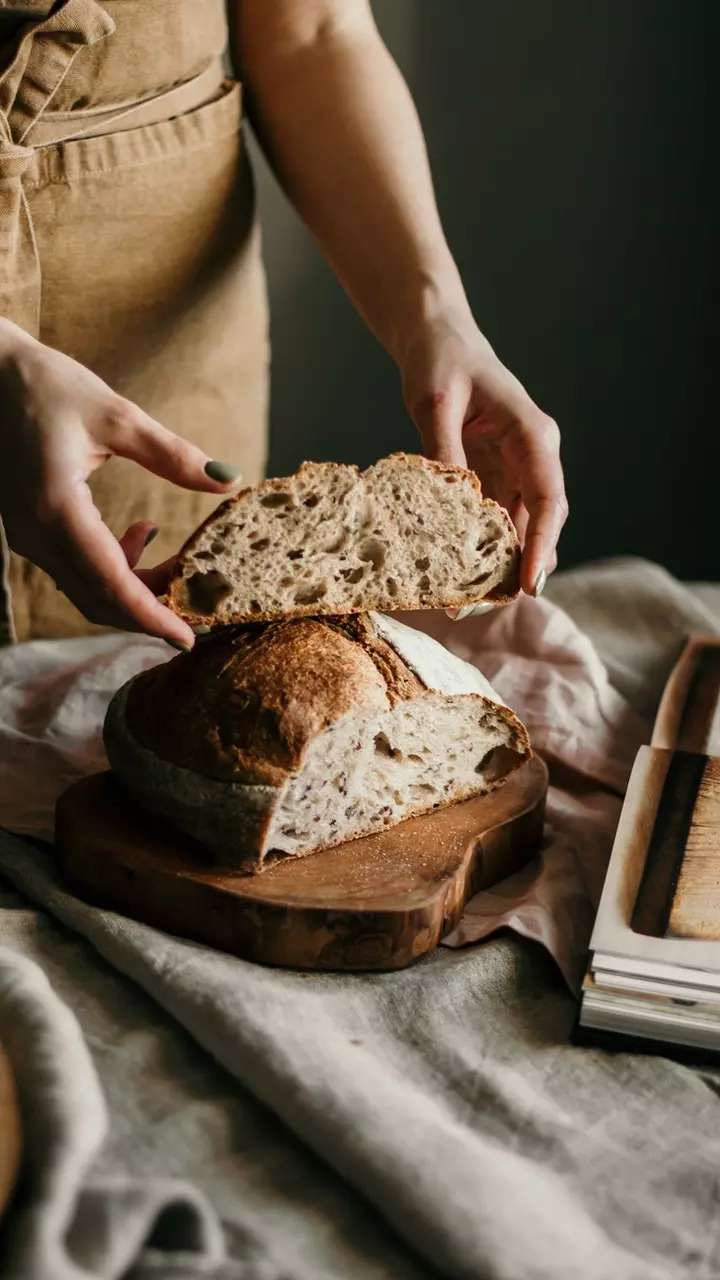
{"points": [[471, 411], [58, 423]]}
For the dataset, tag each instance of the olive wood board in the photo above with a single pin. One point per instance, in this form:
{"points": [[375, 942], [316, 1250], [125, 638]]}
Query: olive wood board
{"points": [[381, 902], [10, 1132]]}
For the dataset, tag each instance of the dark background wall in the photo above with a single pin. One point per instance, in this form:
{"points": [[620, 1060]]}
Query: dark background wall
{"points": [[575, 152]]}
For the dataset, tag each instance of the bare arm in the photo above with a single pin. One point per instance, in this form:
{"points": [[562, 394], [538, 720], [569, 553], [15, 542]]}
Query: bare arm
{"points": [[339, 126]]}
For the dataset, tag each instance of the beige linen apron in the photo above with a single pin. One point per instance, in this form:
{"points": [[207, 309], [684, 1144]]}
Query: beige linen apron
{"points": [[128, 240]]}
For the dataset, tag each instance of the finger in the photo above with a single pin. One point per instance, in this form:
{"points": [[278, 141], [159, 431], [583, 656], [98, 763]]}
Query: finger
{"points": [[91, 568], [495, 485], [543, 492], [158, 578], [547, 518], [131, 433], [469, 611], [136, 539], [439, 418], [519, 515]]}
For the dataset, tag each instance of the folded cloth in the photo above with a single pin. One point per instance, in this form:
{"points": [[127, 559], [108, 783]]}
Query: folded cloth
{"points": [[447, 1095], [69, 1221], [53, 699]]}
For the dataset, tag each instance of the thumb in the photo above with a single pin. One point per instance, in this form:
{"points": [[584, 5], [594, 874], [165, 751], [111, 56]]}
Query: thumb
{"points": [[439, 417], [131, 433]]}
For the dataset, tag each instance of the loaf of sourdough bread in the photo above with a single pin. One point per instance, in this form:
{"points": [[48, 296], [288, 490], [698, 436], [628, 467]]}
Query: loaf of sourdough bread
{"points": [[276, 740], [405, 534]]}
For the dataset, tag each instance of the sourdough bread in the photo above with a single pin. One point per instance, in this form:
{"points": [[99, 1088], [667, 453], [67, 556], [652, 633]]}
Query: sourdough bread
{"points": [[276, 740], [405, 534]]}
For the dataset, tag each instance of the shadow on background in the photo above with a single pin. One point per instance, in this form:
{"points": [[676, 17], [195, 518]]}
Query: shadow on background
{"points": [[575, 155]]}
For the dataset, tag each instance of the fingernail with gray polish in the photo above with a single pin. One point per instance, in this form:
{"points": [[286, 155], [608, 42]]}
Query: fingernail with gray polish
{"points": [[152, 534], [200, 629], [223, 472], [180, 645], [473, 611], [540, 583]]}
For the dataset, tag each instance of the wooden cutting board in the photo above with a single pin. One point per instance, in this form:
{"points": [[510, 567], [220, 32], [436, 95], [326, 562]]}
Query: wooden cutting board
{"points": [[377, 903]]}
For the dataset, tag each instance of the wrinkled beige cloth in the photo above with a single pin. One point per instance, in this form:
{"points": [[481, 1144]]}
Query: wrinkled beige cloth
{"points": [[546, 1160], [64, 1122], [53, 697]]}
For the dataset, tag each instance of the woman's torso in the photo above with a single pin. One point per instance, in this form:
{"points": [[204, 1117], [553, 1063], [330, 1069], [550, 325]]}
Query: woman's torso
{"points": [[142, 260]]}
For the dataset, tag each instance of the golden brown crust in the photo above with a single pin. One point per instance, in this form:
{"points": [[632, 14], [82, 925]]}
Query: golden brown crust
{"points": [[209, 740], [400, 681], [244, 704], [504, 593], [237, 845]]}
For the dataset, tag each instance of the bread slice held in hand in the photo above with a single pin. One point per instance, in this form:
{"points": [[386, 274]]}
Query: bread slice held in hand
{"points": [[277, 740], [405, 534]]}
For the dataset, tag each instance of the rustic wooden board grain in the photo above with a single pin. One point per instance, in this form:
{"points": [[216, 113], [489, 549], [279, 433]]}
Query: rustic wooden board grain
{"points": [[679, 894], [667, 847], [695, 911], [377, 903]]}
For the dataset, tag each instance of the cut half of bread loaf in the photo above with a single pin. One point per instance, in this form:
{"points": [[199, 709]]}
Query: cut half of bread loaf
{"points": [[276, 740], [405, 534]]}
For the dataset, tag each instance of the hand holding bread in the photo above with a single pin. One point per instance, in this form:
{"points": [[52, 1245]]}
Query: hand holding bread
{"points": [[60, 422], [471, 411]]}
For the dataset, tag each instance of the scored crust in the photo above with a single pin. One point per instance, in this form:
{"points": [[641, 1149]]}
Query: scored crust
{"points": [[211, 739], [245, 702]]}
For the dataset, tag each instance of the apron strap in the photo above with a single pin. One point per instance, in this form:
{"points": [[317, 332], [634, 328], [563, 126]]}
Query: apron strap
{"points": [[45, 52], [71, 126]]}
